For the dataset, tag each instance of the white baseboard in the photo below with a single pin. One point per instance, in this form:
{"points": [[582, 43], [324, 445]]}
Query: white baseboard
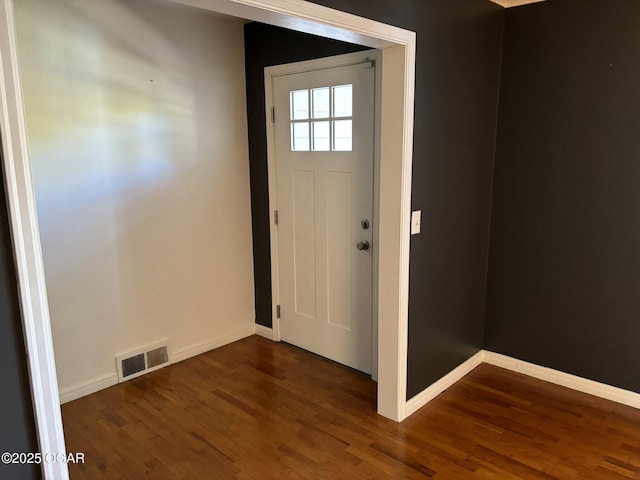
{"points": [[86, 388], [202, 347], [110, 379], [602, 390], [435, 389], [265, 332]]}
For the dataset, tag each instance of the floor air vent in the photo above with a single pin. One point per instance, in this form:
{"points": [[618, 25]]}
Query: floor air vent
{"points": [[141, 361]]}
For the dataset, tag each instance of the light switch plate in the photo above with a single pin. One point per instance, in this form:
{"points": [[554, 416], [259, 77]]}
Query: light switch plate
{"points": [[416, 217]]}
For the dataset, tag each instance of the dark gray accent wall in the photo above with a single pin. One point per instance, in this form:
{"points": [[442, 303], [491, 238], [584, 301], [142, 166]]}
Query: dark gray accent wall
{"points": [[459, 45], [564, 276], [17, 427], [265, 46]]}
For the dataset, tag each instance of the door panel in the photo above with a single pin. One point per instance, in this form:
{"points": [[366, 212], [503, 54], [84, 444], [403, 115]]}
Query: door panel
{"points": [[324, 124], [304, 272], [339, 246]]}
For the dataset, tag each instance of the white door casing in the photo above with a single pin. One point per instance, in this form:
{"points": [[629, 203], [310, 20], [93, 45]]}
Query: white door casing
{"points": [[324, 158]]}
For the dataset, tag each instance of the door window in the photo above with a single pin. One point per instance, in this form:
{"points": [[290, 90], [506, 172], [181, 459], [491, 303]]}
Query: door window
{"points": [[322, 119]]}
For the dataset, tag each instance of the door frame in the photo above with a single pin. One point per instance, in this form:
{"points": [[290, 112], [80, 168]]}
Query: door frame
{"points": [[302, 67], [398, 48]]}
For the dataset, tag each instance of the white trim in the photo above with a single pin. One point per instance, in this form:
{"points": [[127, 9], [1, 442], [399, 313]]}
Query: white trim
{"points": [[213, 343], [273, 205], [584, 385], [87, 388], [311, 18], [602, 390], [27, 251], [376, 215], [398, 68], [265, 332], [317, 64], [435, 389]]}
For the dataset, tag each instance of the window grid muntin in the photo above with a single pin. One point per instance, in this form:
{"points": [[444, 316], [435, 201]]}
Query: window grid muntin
{"points": [[311, 120]]}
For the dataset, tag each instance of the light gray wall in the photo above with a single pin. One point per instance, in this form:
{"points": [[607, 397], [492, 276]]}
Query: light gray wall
{"points": [[137, 130]]}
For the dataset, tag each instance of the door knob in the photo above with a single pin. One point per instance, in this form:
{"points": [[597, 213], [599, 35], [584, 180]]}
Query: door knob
{"points": [[362, 245]]}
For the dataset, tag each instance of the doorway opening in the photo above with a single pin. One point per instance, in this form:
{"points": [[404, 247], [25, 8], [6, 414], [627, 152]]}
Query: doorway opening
{"points": [[398, 52], [323, 164]]}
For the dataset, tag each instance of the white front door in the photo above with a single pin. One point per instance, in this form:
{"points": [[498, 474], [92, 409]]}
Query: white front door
{"points": [[324, 155]]}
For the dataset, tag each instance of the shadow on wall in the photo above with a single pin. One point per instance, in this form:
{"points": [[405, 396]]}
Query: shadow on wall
{"points": [[117, 98]]}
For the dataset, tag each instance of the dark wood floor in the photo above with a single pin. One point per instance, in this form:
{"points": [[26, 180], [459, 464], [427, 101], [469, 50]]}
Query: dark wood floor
{"points": [[261, 410]]}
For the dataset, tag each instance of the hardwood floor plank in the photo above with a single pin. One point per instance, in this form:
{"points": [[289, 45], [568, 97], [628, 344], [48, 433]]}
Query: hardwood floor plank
{"points": [[259, 410], [403, 457], [510, 465]]}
